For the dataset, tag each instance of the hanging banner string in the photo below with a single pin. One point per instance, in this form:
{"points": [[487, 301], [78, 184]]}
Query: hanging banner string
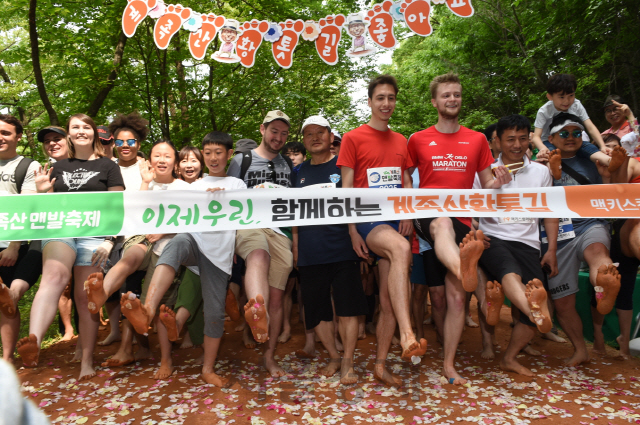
{"points": [[67, 215]]}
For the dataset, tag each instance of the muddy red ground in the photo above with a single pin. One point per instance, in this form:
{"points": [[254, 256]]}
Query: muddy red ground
{"points": [[604, 391]]}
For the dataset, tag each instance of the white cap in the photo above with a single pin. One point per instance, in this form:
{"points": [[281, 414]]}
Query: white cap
{"points": [[315, 120], [567, 123], [336, 136]]}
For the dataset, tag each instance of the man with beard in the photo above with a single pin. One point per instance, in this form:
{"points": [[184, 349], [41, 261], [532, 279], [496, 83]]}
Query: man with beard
{"points": [[448, 156], [267, 252]]}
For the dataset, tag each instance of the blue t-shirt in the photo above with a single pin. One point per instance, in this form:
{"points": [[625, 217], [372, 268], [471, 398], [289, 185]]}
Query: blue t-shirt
{"points": [[586, 150], [329, 243], [589, 170]]}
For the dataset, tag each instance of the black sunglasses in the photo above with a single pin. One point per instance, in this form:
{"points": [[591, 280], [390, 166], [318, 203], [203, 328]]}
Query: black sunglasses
{"points": [[272, 174]]}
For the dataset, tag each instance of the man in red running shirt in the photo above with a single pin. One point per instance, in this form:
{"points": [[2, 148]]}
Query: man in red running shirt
{"points": [[374, 156], [448, 156]]}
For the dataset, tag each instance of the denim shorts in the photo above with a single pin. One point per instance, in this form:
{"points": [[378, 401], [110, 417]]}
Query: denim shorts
{"points": [[83, 248]]}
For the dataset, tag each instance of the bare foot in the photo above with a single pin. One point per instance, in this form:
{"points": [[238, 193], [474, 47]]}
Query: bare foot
{"points": [[86, 372], [332, 367], [168, 319], [273, 367], [514, 366], [305, 355], [537, 299], [371, 328], [94, 286], [531, 351], [452, 377], [555, 164], [29, 350], [362, 334], [118, 361], [381, 373], [621, 175], [607, 287], [231, 306], [348, 375], [618, 157], [577, 359], [110, 339], [165, 370], [240, 327], [495, 299], [186, 341], [199, 360], [338, 343], [471, 249], [553, 337], [247, 339], [135, 312], [213, 379], [69, 337], [255, 314], [284, 336], [395, 341], [470, 323], [625, 353], [142, 354], [7, 304], [414, 348], [488, 353]]}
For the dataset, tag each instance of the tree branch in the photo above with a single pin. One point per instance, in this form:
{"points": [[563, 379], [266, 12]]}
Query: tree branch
{"points": [[95, 106]]}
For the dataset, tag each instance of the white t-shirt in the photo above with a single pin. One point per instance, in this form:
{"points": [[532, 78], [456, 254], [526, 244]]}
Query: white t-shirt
{"points": [[131, 176], [177, 184], [548, 111], [526, 231], [218, 246], [8, 175]]}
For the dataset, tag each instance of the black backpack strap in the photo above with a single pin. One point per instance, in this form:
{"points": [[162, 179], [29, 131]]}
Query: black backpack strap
{"points": [[573, 173], [247, 157], [21, 172], [290, 164]]}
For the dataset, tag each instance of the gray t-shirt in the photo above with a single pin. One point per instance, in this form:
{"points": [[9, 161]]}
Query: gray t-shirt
{"points": [[259, 171], [8, 175], [548, 111]]}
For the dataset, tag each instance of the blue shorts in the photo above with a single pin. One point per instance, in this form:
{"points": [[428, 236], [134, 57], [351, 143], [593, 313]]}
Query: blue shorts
{"points": [[365, 228], [83, 248], [417, 270]]}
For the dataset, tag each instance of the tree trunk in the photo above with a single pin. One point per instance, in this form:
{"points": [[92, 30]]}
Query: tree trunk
{"points": [[95, 106]]}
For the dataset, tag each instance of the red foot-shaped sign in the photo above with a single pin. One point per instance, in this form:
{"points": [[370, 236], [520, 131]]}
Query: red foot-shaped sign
{"points": [[250, 41], [462, 8], [416, 15], [283, 48], [199, 41], [381, 27], [169, 24], [134, 13], [329, 38]]}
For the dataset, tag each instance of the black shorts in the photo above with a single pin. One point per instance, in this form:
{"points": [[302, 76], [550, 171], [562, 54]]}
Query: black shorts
{"points": [[237, 271], [434, 270], [319, 282], [504, 257], [422, 229], [28, 266]]}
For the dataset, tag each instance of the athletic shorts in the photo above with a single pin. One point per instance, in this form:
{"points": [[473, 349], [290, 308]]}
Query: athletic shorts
{"points": [[83, 248], [417, 270], [570, 257], [422, 225], [365, 228], [277, 246], [342, 280], [28, 266], [504, 257], [434, 270]]}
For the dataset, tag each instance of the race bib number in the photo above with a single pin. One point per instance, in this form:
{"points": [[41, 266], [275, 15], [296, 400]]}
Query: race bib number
{"points": [[385, 177], [565, 231], [515, 220]]}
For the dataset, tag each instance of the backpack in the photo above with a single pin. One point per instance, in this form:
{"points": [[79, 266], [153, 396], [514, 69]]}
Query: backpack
{"points": [[21, 172], [247, 157]]}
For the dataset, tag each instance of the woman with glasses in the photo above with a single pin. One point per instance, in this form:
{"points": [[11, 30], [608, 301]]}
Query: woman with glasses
{"points": [[86, 170], [619, 115]]}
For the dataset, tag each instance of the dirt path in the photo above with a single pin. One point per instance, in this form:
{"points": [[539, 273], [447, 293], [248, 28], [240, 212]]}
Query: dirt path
{"points": [[601, 392]]}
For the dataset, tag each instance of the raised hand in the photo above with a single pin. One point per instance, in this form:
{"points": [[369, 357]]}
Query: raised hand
{"points": [[44, 183]]}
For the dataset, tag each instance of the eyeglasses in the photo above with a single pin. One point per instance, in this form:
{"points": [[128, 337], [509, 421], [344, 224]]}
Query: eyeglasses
{"points": [[564, 134], [129, 142], [272, 173], [610, 111]]}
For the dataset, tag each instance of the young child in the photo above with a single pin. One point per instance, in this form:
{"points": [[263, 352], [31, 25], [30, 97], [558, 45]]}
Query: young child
{"points": [[296, 152], [561, 92], [212, 252]]}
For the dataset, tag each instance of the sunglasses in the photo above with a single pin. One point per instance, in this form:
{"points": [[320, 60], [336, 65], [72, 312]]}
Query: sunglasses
{"points": [[564, 134], [129, 142], [272, 174]]}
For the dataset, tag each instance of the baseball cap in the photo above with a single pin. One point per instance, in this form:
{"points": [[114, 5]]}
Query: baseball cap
{"points": [[609, 100], [336, 137], [245, 145], [276, 115], [315, 120], [563, 120], [50, 129], [104, 135]]}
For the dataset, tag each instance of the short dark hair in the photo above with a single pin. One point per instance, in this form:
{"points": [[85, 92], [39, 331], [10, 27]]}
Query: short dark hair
{"points": [[184, 153], [488, 132], [218, 138], [610, 137], [295, 147], [382, 79], [11, 120], [518, 122], [562, 83], [449, 77]]}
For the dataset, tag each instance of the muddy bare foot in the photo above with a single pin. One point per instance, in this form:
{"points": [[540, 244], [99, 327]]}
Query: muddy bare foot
{"points": [[452, 376], [240, 327], [186, 341], [305, 354], [199, 360], [255, 313], [621, 175], [537, 299], [165, 370], [142, 354], [414, 348], [495, 299], [110, 339], [135, 312], [7, 304], [531, 351], [577, 359], [607, 287], [284, 336], [118, 360], [86, 372], [348, 375], [555, 164], [339, 345], [213, 379], [331, 368], [273, 367], [168, 319], [468, 321], [381, 373], [94, 287], [231, 306], [625, 353], [471, 249], [247, 339], [70, 336], [487, 352], [618, 157], [513, 366], [29, 350]]}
